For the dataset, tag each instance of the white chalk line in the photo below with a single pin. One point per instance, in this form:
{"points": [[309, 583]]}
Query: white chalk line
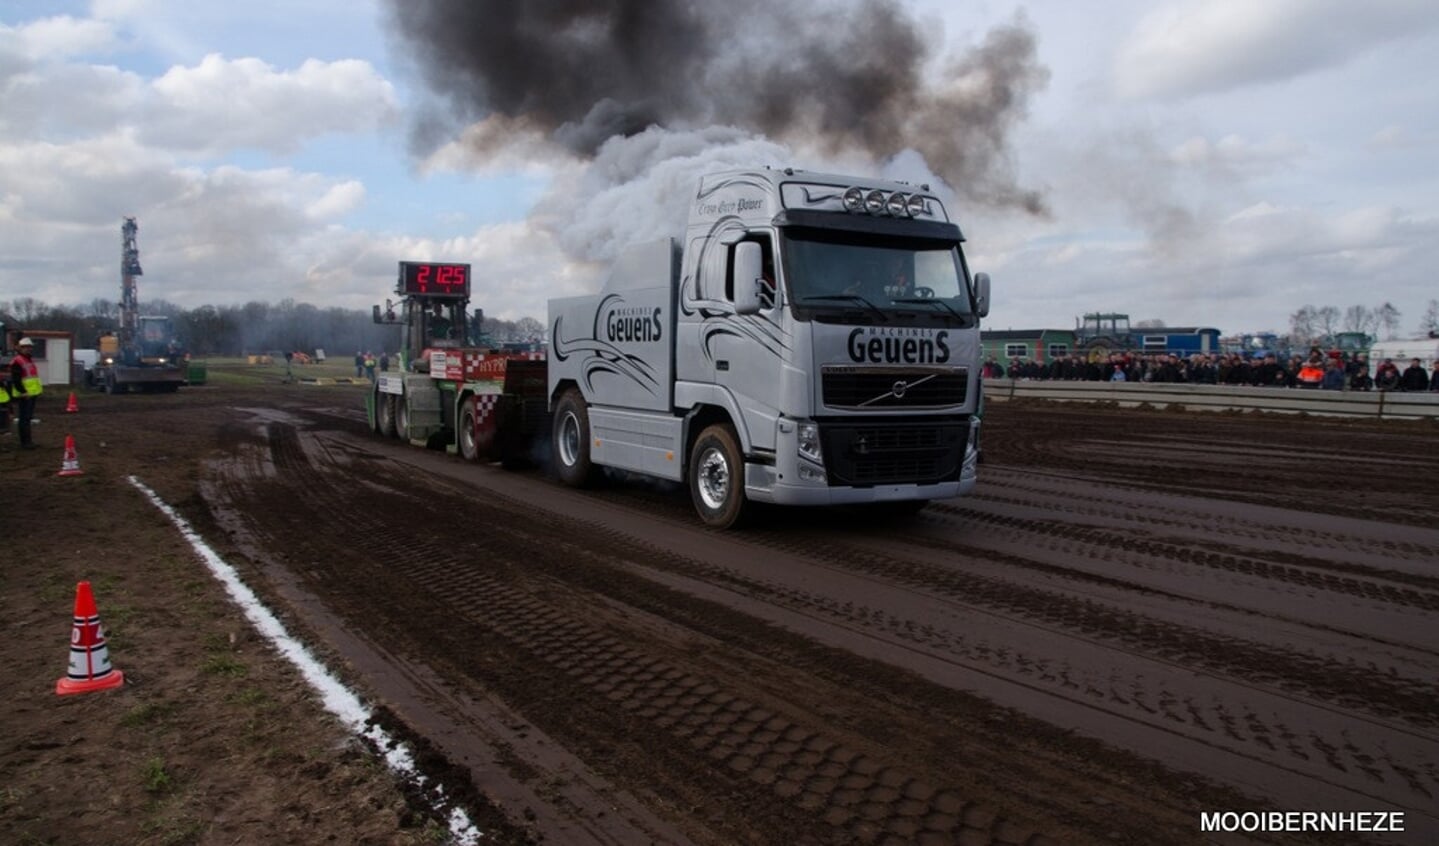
{"points": [[338, 699]]}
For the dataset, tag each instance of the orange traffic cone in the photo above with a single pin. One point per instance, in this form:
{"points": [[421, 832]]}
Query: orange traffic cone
{"points": [[90, 668], [72, 406], [70, 464]]}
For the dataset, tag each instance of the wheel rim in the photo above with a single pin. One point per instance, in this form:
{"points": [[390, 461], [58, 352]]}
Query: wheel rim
{"points": [[467, 433], [713, 479], [569, 440]]}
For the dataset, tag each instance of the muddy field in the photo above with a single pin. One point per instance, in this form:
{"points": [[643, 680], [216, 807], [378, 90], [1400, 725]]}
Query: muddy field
{"points": [[1140, 617]]}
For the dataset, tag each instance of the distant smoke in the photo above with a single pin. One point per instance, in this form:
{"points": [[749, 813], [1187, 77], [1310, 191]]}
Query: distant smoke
{"points": [[838, 77]]}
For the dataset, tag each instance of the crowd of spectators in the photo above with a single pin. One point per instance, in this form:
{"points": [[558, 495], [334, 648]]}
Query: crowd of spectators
{"points": [[1318, 370]]}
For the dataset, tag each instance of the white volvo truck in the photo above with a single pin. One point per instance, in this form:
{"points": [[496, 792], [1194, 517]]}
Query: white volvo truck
{"points": [[813, 340]]}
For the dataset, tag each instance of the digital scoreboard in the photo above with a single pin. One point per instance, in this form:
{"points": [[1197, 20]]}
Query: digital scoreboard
{"points": [[434, 279]]}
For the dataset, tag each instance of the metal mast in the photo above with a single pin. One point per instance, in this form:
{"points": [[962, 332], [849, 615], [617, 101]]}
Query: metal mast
{"points": [[129, 269]]}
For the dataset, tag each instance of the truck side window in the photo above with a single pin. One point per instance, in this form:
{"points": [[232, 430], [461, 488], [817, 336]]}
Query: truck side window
{"points": [[713, 282]]}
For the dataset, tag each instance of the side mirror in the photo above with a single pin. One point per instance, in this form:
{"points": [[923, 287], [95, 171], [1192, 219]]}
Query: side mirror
{"points": [[748, 265], [981, 294]]}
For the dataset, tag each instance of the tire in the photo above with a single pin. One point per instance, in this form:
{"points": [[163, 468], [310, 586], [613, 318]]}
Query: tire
{"points": [[716, 478], [402, 417], [385, 414], [570, 441], [469, 447]]}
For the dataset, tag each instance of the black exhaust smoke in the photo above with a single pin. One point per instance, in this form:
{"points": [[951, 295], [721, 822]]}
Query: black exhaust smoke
{"points": [[843, 76]]}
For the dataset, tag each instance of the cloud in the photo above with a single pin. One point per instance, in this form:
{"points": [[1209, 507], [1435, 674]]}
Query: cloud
{"points": [[55, 39], [223, 104], [1198, 47], [212, 108], [337, 201]]}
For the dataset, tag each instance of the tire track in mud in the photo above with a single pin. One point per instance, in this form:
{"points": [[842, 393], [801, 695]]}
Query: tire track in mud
{"points": [[1238, 710], [1147, 640], [1367, 470], [1185, 574], [1046, 492], [650, 686], [1306, 680], [855, 796], [1313, 674]]}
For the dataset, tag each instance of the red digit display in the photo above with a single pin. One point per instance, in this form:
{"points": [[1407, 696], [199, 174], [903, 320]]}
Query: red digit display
{"points": [[433, 279]]}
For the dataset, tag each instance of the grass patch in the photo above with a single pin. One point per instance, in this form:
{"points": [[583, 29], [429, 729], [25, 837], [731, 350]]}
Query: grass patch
{"points": [[155, 778], [252, 697], [167, 831], [224, 665], [147, 714]]}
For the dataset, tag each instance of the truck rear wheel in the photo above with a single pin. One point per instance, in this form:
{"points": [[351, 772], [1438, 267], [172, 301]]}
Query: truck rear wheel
{"points": [[402, 417], [716, 478], [385, 413], [571, 441]]}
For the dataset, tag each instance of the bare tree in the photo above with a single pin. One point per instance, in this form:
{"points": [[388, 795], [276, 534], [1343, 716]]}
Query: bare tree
{"points": [[104, 309], [1327, 321], [28, 311], [1389, 319], [1429, 323], [530, 328], [1303, 325], [1358, 318]]}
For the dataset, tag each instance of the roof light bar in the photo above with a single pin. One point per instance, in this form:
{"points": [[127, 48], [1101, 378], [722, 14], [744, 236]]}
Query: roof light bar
{"points": [[858, 200]]}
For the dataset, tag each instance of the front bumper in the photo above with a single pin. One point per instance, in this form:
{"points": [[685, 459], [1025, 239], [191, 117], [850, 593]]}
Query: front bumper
{"points": [[891, 461]]}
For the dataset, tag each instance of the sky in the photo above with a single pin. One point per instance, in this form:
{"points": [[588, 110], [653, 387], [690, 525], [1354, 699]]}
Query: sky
{"points": [[1220, 163]]}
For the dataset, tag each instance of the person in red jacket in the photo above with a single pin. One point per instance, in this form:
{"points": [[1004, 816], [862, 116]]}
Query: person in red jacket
{"points": [[1386, 378], [1311, 373]]}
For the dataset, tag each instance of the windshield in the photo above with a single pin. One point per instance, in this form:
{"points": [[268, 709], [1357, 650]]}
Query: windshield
{"points": [[831, 270]]}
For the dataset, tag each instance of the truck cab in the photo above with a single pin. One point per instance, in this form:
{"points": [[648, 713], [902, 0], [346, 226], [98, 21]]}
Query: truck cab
{"points": [[812, 340]]}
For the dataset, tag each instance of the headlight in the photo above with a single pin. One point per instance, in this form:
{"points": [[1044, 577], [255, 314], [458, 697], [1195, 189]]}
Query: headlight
{"points": [[874, 202], [897, 205], [807, 436], [854, 200], [917, 205]]}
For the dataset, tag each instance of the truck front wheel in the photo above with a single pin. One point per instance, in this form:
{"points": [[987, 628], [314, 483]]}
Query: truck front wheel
{"points": [[572, 441], [717, 478]]}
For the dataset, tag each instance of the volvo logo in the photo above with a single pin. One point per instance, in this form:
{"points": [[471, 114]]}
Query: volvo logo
{"points": [[898, 389]]}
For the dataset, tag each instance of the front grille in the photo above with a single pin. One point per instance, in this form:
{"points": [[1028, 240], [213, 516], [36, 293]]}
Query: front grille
{"points": [[890, 453], [876, 388]]}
